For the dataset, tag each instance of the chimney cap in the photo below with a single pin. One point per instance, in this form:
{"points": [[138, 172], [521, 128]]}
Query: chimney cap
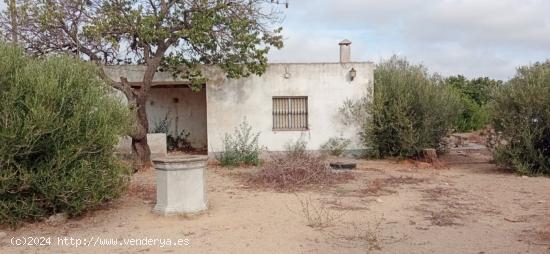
{"points": [[345, 42]]}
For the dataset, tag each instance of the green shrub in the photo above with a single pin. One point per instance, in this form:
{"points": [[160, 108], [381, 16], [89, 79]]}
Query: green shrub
{"points": [[58, 128], [409, 110], [178, 142], [162, 126], [336, 146], [472, 117], [295, 148], [521, 117], [474, 95], [240, 147]]}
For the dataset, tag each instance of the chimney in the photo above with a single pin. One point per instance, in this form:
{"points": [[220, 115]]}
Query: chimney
{"points": [[345, 51]]}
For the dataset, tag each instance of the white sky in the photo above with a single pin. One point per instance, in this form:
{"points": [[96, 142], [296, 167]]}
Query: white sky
{"points": [[471, 37]]}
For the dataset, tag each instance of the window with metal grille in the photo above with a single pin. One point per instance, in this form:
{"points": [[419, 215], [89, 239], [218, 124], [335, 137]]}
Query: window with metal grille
{"points": [[290, 113]]}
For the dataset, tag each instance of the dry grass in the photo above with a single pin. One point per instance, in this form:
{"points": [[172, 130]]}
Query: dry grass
{"points": [[381, 186], [438, 193], [295, 171], [377, 187], [317, 214], [444, 218], [337, 204], [367, 234], [543, 237], [536, 237], [371, 236], [144, 192], [449, 211]]}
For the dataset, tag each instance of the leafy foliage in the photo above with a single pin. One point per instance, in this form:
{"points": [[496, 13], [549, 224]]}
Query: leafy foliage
{"points": [[336, 146], [355, 113], [240, 147], [177, 35], [521, 117], [180, 37], [409, 110], [177, 142], [58, 128], [162, 126], [474, 95], [296, 148]]}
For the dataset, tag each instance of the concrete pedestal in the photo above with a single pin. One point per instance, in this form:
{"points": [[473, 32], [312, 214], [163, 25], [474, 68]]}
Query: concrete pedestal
{"points": [[181, 184]]}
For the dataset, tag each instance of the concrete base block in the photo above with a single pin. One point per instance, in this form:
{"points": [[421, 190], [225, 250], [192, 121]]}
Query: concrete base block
{"points": [[157, 144], [156, 141], [181, 184]]}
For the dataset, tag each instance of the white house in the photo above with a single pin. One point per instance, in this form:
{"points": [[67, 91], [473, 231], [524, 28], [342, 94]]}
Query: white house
{"points": [[288, 102]]}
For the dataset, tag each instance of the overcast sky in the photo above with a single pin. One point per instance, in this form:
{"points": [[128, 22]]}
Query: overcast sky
{"points": [[471, 37]]}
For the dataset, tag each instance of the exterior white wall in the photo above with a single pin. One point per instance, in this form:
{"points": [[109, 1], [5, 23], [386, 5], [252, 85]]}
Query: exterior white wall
{"points": [[227, 102], [134, 74], [185, 109], [327, 86]]}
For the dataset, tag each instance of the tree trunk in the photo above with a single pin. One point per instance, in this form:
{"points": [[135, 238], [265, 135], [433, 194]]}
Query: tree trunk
{"points": [[430, 155], [140, 147], [142, 153], [137, 101]]}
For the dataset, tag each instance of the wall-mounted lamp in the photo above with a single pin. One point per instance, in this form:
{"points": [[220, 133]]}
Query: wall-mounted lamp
{"points": [[352, 74], [287, 74]]}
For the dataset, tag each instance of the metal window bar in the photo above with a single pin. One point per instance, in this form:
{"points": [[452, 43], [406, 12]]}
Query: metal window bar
{"points": [[290, 113]]}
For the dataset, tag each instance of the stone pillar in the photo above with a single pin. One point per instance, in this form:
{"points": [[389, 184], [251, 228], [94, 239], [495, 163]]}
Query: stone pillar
{"points": [[181, 184]]}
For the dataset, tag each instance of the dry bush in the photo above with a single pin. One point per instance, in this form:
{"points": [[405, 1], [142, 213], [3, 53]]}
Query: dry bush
{"points": [[296, 170], [369, 235], [317, 214]]}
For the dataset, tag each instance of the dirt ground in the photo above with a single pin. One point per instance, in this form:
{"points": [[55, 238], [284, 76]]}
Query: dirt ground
{"points": [[467, 206]]}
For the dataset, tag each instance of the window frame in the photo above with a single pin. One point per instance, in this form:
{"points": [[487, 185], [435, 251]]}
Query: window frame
{"points": [[306, 128]]}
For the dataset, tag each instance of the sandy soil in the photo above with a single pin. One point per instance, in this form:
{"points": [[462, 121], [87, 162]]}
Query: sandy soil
{"points": [[469, 206]]}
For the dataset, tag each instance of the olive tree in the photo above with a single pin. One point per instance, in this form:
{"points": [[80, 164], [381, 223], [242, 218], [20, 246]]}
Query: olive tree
{"points": [[179, 36], [59, 125], [521, 118], [408, 111]]}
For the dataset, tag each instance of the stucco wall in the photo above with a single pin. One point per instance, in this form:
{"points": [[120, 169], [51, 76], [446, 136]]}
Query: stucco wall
{"points": [[226, 103], [185, 109], [327, 86], [134, 74]]}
